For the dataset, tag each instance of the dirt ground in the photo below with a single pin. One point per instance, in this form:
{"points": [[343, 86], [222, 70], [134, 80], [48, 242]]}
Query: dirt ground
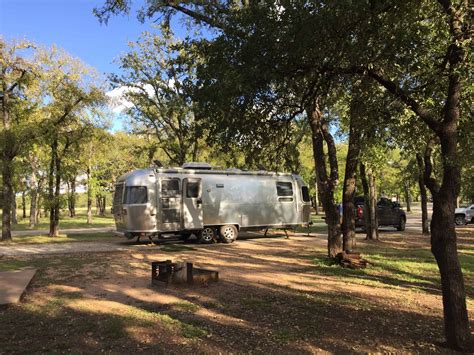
{"points": [[274, 295]]}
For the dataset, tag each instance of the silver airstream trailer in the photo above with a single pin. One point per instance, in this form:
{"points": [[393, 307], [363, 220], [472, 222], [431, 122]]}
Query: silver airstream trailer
{"points": [[211, 204]]}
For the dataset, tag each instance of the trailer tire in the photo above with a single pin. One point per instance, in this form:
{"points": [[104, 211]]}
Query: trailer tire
{"points": [[207, 235], [228, 233]]}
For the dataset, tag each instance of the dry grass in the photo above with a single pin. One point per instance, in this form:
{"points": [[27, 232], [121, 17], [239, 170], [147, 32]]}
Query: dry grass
{"points": [[62, 238]]}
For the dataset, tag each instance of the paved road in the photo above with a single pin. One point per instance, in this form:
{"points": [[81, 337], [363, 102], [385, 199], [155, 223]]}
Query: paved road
{"points": [[414, 221], [61, 248], [120, 244]]}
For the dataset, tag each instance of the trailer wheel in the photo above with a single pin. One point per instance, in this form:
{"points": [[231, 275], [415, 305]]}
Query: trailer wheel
{"points": [[207, 235], [228, 233]]}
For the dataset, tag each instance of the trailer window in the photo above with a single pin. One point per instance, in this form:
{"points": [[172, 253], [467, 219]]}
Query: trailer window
{"points": [[284, 188], [170, 188], [305, 193], [135, 195], [192, 189], [118, 194]]}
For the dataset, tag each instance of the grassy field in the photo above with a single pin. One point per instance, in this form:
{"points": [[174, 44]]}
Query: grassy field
{"points": [[395, 268], [273, 295], [318, 226], [66, 222], [80, 221]]}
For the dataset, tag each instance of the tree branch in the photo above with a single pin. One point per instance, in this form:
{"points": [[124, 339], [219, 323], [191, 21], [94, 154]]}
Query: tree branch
{"points": [[16, 83], [68, 110], [405, 97], [205, 19], [193, 14], [332, 153], [430, 181]]}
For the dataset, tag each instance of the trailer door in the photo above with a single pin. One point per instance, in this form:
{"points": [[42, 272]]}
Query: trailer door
{"points": [[192, 204], [170, 204]]}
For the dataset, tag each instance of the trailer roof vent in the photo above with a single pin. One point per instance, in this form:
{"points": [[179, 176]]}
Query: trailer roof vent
{"points": [[197, 166]]}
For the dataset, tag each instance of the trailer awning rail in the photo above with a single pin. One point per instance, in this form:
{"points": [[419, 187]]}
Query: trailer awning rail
{"points": [[219, 172]]}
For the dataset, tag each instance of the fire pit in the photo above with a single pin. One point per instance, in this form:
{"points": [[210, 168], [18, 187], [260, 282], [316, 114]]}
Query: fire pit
{"points": [[167, 272]]}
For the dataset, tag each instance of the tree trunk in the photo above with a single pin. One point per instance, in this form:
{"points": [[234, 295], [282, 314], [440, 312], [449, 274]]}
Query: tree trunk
{"points": [[365, 188], [374, 221], [326, 183], [423, 195], [348, 206], [89, 197], [39, 209], [7, 175], [7, 165], [406, 191], [444, 248], [41, 182], [370, 215], [54, 186], [443, 233], [57, 191], [443, 239], [97, 204], [23, 204], [73, 197], [100, 204], [316, 199], [33, 200], [14, 214], [71, 201], [151, 154], [68, 197], [103, 206], [49, 205]]}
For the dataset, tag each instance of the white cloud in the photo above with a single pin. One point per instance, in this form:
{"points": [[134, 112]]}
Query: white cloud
{"points": [[117, 102]]}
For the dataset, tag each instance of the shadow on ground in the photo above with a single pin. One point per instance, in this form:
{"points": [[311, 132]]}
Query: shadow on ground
{"points": [[274, 295]]}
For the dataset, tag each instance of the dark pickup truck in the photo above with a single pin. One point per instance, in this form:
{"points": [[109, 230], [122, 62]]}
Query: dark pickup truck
{"points": [[389, 213]]}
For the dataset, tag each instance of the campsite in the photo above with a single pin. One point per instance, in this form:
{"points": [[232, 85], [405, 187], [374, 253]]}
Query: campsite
{"points": [[236, 176]]}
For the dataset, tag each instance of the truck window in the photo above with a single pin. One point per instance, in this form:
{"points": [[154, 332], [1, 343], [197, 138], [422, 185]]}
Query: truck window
{"points": [[135, 195], [170, 188], [192, 189], [284, 188], [305, 193]]}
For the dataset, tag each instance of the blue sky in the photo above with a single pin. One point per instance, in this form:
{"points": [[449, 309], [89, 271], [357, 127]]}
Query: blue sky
{"points": [[71, 25]]}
